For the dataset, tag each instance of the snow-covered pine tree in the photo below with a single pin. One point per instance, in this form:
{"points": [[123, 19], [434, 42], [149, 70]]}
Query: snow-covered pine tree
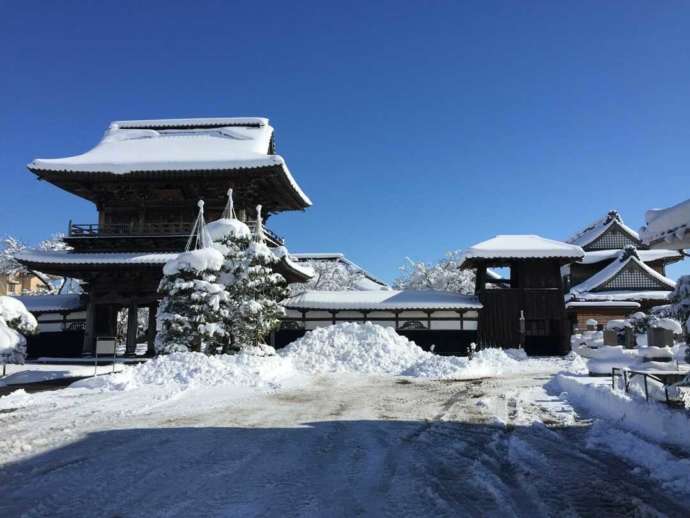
{"points": [[190, 313], [254, 290], [232, 238]]}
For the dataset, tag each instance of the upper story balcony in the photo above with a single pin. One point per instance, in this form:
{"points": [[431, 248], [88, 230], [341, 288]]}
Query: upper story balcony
{"points": [[159, 236]]}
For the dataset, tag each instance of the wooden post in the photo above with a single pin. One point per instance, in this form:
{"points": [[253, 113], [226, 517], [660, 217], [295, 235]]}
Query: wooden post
{"points": [[89, 332], [131, 345], [151, 333]]}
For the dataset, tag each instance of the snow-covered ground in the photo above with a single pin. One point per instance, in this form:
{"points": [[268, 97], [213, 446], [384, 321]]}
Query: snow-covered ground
{"points": [[288, 435], [38, 372]]}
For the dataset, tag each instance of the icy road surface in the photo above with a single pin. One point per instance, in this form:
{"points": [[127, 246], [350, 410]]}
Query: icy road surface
{"points": [[344, 446]]}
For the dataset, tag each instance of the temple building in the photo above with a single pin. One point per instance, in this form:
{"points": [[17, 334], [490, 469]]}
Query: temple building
{"points": [[618, 274], [145, 178]]}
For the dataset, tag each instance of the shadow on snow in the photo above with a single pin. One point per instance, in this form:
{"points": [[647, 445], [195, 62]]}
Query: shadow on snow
{"points": [[331, 468]]}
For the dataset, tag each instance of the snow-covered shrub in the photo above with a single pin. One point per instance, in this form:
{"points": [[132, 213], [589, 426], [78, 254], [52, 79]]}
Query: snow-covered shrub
{"points": [[445, 275], [15, 321], [641, 322], [680, 302], [190, 313]]}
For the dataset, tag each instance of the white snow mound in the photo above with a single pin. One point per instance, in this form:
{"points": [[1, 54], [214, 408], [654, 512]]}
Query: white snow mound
{"points": [[372, 349], [184, 370]]}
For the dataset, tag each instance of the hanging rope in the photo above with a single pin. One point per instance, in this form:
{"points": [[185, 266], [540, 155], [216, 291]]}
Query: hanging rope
{"points": [[229, 210], [259, 235], [199, 237]]}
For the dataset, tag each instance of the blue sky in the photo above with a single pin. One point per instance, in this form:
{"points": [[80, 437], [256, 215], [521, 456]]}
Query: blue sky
{"points": [[415, 127]]}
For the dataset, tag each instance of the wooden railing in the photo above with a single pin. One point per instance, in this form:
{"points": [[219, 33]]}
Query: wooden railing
{"points": [[127, 229], [151, 229]]}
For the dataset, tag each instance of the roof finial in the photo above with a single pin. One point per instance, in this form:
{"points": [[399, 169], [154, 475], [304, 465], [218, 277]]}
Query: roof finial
{"points": [[259, 236], [613, 214], [629, 251], [229, 210]]}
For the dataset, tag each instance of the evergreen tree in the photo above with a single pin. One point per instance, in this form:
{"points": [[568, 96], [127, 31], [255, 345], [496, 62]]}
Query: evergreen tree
{"points": [[252, 308], [190, 315]]}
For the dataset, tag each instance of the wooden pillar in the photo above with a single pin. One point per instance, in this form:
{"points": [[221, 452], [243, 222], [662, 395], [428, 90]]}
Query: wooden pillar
{"points": [[89, 346], [151, 332], [131, 345]]}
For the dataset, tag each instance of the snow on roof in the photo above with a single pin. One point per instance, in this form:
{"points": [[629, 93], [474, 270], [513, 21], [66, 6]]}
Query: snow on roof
{"points": [[132, 146], [603, 303], [381, 300], [596, 229], [607, 273], [619, 295], [69, 257], [668, 227], [197, 122], [521, 247], [44, 303], [645, 255]]}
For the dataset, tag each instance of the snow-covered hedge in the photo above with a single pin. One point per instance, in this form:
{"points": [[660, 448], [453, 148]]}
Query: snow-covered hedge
{"points": [[15, 321]]}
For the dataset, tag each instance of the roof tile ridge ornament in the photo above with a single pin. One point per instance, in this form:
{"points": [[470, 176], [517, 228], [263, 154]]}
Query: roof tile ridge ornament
{"points": [[229, 210], [259, 235], [613, 215], [199, 237], [627, 252]]}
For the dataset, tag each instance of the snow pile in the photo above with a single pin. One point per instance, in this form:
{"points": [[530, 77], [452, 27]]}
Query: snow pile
{"points": [[186, 370], [195, 260], [344, 348], [228, 228], [351, 347], [371, 349]]}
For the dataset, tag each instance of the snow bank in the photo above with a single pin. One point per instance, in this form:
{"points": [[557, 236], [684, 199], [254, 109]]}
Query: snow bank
{"points": [[185, 370], [344, 348], [652, 420]]}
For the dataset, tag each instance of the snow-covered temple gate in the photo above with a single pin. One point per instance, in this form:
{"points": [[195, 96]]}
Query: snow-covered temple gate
{"points": [[527, 308]]}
